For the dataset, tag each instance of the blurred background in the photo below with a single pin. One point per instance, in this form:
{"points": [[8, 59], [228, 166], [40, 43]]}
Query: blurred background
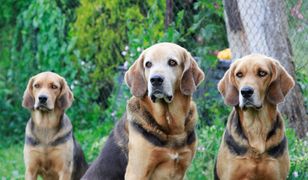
{"points": [[92, 43]]}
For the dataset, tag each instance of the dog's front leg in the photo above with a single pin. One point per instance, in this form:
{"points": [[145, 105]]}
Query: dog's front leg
{"points": [[140, 162], [31, 173], [134, 172], [138, 166], [64, 169], [65, 174]]}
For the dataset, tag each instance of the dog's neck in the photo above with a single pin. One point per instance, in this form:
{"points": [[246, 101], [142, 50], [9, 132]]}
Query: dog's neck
{"points": [[170, 116], [48, 127], [47, 120], [257, 123]]}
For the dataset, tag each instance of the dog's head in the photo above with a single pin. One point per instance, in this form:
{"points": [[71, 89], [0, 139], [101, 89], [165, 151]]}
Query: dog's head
{"points": [[161, 70], [254, 79], [47, 91]]}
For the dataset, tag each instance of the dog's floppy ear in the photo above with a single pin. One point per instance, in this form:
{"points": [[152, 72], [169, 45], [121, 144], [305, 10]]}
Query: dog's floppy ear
{"points": [[192, 75], [66, 97], [135, 78], [280, 85], [227, 89], [28, 99]]}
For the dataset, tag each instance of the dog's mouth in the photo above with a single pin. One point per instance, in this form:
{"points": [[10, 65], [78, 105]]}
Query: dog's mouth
{"points": [[249, 104], [43, 107], [160, 95]]}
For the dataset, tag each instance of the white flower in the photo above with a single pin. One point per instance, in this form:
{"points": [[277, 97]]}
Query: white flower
{"points": [[307, 134], [113, 113], [126, 48], [200, 148], [125, 65], [123, 53], [138, 49], [82, 63], [295, 174], [132, 54]]}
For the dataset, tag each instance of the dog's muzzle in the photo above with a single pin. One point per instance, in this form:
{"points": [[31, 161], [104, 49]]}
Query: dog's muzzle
{"points": [[157, 92], [247, 93], [42, 103]]}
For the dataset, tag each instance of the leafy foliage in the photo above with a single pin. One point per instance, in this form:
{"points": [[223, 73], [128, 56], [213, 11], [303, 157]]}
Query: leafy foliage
{"points": [[100, 35], [144, 30], [9, 9]]}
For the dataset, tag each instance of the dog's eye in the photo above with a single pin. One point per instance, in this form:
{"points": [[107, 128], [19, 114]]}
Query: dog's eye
{"points": [[262, 73], [239, 74], [148, 64], [54, 86], [172, 63], [36, 85]]}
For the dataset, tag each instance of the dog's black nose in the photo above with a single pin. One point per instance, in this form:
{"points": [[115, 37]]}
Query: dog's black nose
{"points": [[247, 91], [43, 98], [156, 80]]}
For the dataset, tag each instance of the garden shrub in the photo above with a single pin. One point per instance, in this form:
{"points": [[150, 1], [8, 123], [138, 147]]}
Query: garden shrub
{"points": [[100, 35]]}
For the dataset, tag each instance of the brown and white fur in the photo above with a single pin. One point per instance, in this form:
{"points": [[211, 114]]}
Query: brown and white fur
{"points": [[156, 137], [50, 148], [254, 145]]}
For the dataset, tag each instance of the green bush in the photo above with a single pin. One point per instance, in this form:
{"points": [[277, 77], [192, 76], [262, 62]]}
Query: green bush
{"points": [[209, 138], [100, 34], [298, 150]]}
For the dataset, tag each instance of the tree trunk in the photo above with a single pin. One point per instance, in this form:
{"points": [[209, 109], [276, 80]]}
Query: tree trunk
{"points": [[169, 13], [262, 27]]}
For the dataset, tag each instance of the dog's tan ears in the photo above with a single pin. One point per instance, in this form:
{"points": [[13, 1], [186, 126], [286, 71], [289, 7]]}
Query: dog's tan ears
{"points": [[281, 83], [66, 97], [227, 88], [192, 75], [135, 79], [28, 99]]}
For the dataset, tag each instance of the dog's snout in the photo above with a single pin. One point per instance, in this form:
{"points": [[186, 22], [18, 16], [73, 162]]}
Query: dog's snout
{"points": [[247, 91], [43, 98], [157, 80]]}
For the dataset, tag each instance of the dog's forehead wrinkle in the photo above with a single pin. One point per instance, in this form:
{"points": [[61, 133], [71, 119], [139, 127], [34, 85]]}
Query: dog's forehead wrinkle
{"points": [[49, 80], [162, 53], [254, 62]]}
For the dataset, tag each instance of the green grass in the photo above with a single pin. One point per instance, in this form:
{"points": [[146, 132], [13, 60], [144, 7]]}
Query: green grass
{"points": [[12, 165], [11, 162]]}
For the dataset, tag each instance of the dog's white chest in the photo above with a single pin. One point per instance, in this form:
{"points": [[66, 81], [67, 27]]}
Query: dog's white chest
{"points": [[174, 156]]}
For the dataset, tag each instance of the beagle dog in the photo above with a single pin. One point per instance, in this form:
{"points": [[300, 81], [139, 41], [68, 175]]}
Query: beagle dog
{"points": [[156, 137], [50, 148], [254, 145]]}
